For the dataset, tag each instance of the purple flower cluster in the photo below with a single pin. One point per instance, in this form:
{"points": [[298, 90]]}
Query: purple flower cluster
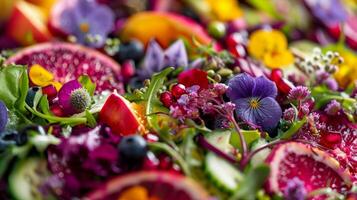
{"points": [[299, 93], [255, 100], [333, 107], [295, 190], [196, 100]]}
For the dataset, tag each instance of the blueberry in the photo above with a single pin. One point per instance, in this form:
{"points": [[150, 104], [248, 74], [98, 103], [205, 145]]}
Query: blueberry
{"points": [[133, 50], [132, 148], [31, 95]]}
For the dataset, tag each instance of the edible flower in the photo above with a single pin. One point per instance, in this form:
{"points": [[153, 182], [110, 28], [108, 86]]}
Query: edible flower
{"points": [[3, 116], [42, 77], [270, 47], [224, 10], [157, 59], [87, 20], [330, 12], [255, 100], [347, 71], [73, 98], [295, 190]]}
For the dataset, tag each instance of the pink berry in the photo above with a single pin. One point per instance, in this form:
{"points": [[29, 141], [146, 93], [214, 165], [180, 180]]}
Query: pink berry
{"points": [[166, 98], [178, 90], [165, 162], [50, 91], [150, 162], [128, 69]]}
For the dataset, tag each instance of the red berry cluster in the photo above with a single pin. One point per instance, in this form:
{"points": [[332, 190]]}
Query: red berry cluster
{"points": [[51, 93], [161, 162], [168, 98]]}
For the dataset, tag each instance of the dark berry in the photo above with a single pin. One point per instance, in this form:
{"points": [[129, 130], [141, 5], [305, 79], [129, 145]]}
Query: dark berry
{"points": [[50, 91], [127, 70], [31, 95], [166, 98], [132, 148], [178, 90], [133, 50]]}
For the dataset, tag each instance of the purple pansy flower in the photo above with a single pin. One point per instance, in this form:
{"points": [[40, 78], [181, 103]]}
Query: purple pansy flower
{"points": [[86, 19], [255, 100], [3, 116], [156, 59], [295, 190], [330, 12], [73, 98]]}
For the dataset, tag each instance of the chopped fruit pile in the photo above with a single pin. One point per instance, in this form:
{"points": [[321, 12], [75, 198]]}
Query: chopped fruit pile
{"points": [[178, 100]]}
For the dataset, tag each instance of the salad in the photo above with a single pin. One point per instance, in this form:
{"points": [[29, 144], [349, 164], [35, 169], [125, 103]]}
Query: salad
{"points": [[178, 100]]}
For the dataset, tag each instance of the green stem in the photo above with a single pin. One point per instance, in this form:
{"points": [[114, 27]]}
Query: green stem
{"points": [[166, 148], [74, 120]]}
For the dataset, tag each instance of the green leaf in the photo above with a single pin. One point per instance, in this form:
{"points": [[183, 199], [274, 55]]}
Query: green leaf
{"points": [[14, 85], [251, 183], [90, 119], [44, 105], [249, 135], [5, 159], [293, 129], [36, 99], [87, 83], [156, 83], [266, 6]]}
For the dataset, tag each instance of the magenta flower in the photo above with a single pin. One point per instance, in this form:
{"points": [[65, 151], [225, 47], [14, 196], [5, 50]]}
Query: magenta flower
{"points": [[73, 98], [87, 20], [255, 100]]}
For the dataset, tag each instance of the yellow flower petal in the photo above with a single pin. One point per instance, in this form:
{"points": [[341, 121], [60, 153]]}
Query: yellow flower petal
{"points": [[225, 10], [57, 85], [347, 72], [262, 42], [278, 59], [40, 76]]}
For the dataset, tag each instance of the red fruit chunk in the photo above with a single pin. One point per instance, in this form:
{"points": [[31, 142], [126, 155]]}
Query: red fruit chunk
{"points": [[177, 90], [27, 24], [194, 77], [50, 91], [282, 84], [316, 168], [160, 185], [128, 70], [166, 98], [69, 61], [119, 116], [57, 110], [235, 43], [330, 139]]}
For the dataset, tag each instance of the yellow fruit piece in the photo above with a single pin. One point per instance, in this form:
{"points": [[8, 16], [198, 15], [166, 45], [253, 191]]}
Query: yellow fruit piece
{"points": [[40, 76], [135, 193], [57, 85]]}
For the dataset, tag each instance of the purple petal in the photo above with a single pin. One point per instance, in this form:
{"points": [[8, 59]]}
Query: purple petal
{"points": [[244, 110], [268, 114], [264, 88], [64, 95], [154, 60], [240, 86], [330, 12], [3, 116], [175, 55]]}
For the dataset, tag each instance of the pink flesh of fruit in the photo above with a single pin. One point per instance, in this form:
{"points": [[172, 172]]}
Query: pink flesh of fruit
{"points": [[69, 61], [316, 168]]}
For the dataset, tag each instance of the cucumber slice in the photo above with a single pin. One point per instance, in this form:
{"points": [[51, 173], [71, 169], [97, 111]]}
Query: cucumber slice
{"points": [[222, 173], [26, 178], [220, 139]]}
